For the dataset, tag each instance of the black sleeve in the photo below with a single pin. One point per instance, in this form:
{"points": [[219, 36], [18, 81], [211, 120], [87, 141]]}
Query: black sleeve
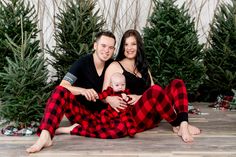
{"points": [[74, 71], [76, 67]]}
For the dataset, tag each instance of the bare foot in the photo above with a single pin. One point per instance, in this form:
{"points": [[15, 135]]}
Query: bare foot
{"points": [[184, 132], [43, 142], [65, 130], [192, 130], [176, 129]]}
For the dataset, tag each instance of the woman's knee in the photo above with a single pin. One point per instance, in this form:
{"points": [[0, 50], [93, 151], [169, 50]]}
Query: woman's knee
{"points": [[156, 88], [178, 83]]}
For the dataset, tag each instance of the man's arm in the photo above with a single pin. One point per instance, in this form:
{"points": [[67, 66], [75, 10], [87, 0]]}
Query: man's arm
{"points": [[90, 94]]}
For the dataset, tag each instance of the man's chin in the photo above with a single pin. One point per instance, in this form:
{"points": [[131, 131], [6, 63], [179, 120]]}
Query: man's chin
{"points": [[105, 58]]}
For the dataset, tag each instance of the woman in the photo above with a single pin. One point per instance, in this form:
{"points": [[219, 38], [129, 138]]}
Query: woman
{"points": [[151, 102]]}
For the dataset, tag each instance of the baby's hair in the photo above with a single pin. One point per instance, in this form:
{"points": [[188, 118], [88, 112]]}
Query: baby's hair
{"points": [[117, 75]]}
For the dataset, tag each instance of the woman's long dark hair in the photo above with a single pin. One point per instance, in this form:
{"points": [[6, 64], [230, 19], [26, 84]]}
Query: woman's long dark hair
{"points": [[140, 60]]}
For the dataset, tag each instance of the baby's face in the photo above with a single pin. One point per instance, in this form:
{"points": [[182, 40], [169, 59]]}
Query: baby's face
{"points": [[118, 85]]}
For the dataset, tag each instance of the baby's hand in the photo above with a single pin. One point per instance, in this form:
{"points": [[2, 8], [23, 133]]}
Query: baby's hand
{"points": [[125, 97]]}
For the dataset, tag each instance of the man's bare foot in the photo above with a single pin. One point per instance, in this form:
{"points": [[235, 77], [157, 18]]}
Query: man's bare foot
{"points": [[43, 142], [65, 130], [192, 130], [184, 132]]}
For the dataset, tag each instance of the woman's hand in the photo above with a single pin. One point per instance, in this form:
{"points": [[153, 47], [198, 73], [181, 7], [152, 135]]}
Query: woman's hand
{"points": [[134, 99], [90, 94], [116, 102]]}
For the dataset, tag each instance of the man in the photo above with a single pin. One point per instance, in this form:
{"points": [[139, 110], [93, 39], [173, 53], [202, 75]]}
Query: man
{"points": [[77, 92]]}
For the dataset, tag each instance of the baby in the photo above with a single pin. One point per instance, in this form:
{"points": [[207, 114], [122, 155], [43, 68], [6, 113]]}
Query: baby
{"points": [[118, 88]]}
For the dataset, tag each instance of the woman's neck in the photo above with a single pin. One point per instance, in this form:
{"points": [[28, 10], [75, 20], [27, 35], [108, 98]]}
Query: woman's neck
{"points": [[129, 62], [129, 65]]}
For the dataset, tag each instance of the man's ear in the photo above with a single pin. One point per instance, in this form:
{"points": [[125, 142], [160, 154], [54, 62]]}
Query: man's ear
{"points": [[95, 45]]}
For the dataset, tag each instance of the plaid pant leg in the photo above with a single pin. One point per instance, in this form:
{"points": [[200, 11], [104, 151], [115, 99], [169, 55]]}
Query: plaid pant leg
{"points": [[54, 110], [102, 130], [153, 106], [127, 118], [177, 94]]}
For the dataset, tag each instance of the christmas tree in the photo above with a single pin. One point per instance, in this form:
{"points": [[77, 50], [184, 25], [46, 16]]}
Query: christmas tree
{"points": [[172, 47], [24, 81], [10, 25], [220, 57], [75, 31]]}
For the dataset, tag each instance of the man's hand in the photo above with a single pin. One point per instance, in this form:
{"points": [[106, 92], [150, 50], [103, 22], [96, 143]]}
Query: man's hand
{"points": [[90, 94], [116, 102]]}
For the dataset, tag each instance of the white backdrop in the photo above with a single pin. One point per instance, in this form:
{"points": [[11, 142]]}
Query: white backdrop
{"points": [[121, 15]]}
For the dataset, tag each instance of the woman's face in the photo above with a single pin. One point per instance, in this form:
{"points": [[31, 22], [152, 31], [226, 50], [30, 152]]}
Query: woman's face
{"points": [[130, 47]]}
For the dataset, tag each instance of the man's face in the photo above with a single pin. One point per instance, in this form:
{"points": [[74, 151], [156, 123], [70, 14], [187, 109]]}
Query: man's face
{"points": [[104, 48]]}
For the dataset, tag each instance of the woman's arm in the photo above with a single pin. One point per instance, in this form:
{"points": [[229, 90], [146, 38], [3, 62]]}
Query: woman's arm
{"points": [[134, 97], [114, 67], [152, 82]]}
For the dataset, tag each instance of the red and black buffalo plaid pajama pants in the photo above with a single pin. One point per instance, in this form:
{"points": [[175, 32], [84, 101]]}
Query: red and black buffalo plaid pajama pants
{"points": [[155, 104]]}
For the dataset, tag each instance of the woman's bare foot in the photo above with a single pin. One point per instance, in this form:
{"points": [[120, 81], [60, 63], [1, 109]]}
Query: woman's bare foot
{"points": [[192, 130], [175, 129], [184, 132], [65, 130], [43, 142]]}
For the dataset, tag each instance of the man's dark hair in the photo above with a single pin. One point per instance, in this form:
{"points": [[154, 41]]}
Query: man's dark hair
{"points": [[105, 33]]}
